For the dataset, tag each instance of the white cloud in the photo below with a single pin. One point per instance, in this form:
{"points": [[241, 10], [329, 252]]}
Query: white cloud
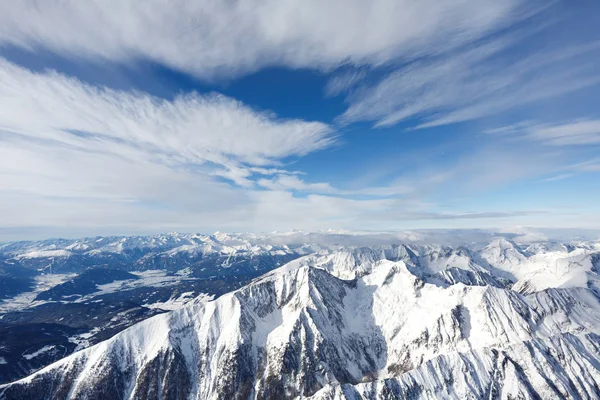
{"points": [[588, 166], [559, 177], [482, 80], [80, 158], [92, 159], [292, 182], [221, 38], [344, 81], [190, 129], [570, 133], [555, 151], [73, 154]]}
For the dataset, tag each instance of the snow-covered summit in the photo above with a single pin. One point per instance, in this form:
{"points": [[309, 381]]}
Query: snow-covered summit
{"points": [[397, 321]]}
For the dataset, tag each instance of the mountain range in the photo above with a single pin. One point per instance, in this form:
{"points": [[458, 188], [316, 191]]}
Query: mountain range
{"points": [[329, 319]]}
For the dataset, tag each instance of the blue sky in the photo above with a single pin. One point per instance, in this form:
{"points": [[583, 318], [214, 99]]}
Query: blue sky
{"points": [[122, 117]]}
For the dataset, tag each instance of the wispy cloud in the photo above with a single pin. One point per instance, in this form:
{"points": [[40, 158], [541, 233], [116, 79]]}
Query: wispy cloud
{"points": [[85, 157], [344, 81], [558, 177], [76, 154], [573, 133], [224, 38], [479, 81], [572, 170], [292, 182], [191, 129], [562, 142], [558, 138], [592, 165]]}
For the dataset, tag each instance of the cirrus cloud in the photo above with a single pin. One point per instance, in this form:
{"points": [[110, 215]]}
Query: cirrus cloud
{"points": [[224, 38], [478, 81]]}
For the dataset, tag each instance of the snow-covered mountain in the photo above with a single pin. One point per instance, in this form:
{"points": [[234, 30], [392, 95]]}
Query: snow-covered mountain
{"points": [[496, 320], [58, 296], [140, 253]]}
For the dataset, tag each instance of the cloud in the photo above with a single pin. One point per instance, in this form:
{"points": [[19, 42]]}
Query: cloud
{"points": [[222, 38], [592, 165], [558, 177], [193, 128], [571, 170], [520, 234], [342, 82], [292, 182], [81, 158], [480, 80], [570, 133], [73, 154], [568, 137], [566, 134], [471, 215]]}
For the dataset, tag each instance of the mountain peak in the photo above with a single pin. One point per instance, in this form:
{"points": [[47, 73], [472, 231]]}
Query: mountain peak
{"points": [[395, 321]]}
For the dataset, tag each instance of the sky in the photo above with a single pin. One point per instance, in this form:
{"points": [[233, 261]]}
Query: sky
{"points": [[128, 117]]}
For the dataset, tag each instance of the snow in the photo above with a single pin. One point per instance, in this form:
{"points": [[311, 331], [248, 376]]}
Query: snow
{"points": [[556, 270], [27, 299], [37, 353], [46, 254], [184, 272], [377, 316], [177, 302], [267, 326], [82, 340], [151, 278], [436, 330]]}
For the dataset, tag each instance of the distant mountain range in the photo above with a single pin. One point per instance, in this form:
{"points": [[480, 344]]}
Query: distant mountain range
{"points": [[301, 315], [61, 295]]}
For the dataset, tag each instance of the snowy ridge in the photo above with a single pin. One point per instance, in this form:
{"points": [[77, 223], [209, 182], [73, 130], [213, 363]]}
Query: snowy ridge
{"points": [[401, 321], [304, 242], [171, 243]]}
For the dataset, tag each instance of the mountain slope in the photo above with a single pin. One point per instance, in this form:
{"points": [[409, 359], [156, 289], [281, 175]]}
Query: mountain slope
{"points": [[58, 296], [352, 324]]}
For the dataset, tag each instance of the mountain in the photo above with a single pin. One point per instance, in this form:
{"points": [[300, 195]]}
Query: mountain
{"points": [[58, 296], [171, 252], [496, 320]]}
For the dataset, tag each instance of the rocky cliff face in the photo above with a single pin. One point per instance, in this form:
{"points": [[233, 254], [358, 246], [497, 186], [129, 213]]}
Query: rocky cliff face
{"points": [[360, 323]]}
